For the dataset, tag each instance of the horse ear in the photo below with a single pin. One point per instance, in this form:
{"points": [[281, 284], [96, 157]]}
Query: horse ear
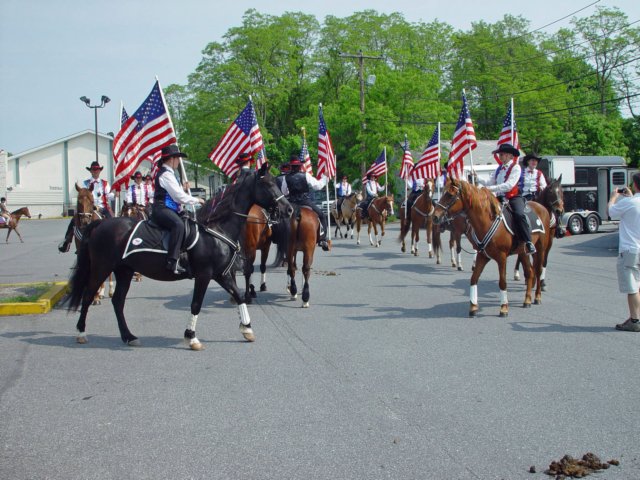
{"points": [[263, 169], [560, 179], [77, 187]]}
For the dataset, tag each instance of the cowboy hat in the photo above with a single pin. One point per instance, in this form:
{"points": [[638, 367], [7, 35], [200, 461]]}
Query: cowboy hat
{"points": [[136, 175], [94, 166], [243, 158], [507, 148], [295, 162], [171, 151], [530, 156]]}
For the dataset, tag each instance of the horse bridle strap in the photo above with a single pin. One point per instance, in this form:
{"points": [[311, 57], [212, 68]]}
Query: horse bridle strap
{"points": [[234, 245], [424, 214]]}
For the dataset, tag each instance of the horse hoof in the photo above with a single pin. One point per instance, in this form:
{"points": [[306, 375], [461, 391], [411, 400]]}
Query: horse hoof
{"points": [[196, 346], [81, 339], [526, 305], [453, 265], [96, 302], [460, 269], [504, 314], [504, 310], [473, 313], [247, 333], [254, 294], [134, 343], [232, 300], [402, 249], [100, 297], [294, 297], [473, 309], [430, 255], [305, 305], [516, 277], [537, 301], [263, 287]]}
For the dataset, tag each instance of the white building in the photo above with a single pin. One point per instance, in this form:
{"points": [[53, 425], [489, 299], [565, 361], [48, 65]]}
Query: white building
{"points": [[43, 178]]}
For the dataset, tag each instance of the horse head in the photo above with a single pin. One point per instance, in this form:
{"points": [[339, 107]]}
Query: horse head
{"points": [[387, 204], [553, 197], [450, 202], [84, 206], [268, 195]]}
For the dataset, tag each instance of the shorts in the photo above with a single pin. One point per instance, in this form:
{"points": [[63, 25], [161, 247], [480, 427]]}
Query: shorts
{"points": [[628, 267]]}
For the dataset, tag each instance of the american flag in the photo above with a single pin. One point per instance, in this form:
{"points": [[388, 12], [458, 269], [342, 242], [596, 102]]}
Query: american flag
{"points": [[429, 164], [505, 134], [304, 155], [242, 136], [326, 157], [143, 134], [124, 116], [379, 167], [261, 158], [464, 138], [407, 162]]}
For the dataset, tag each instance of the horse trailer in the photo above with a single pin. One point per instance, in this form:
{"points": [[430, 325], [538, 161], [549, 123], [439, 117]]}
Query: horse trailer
{"points": [[587, 183]]}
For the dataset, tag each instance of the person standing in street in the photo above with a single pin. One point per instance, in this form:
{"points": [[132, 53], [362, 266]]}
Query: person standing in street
{"points": [[624, 205]]}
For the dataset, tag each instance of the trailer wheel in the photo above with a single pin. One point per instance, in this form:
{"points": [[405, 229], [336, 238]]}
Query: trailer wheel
{"points": [[574, 225], [591, 224]]}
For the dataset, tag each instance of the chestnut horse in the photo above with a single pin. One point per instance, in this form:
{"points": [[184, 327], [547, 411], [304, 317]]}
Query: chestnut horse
{"points": [[419, 217], [491, 238], [378, 210], [12, 223], [347, 214], [457, 226], [550, 197]]}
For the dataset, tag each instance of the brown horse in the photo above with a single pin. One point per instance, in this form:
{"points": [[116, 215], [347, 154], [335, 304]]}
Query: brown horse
{"points": [[14, 219], [347, 214], [257, 236], [491, 238], [303, 231], [457, 226], [378, 210], [550, 197], [419, 217], [138, 213]]}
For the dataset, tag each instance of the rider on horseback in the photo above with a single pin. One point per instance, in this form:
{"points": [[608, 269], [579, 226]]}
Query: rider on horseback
{"points": [[168, 197], [284, 170], [505, 184], [296, 186], [4, 212], [416, 185], [343, 190], [372, 187], [138, 193]]}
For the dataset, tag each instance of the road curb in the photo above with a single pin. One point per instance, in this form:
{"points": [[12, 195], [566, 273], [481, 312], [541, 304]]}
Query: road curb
{"points": [[44, 303]]}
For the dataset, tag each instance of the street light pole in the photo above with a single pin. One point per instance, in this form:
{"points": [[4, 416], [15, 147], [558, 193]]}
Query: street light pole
{"points": [[103, 101]]}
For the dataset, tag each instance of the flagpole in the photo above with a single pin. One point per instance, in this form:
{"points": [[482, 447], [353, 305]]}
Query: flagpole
{"points": [[386, 173], [119, 197], [405, 180], [512, 129], [473, 182], [439, 166]]}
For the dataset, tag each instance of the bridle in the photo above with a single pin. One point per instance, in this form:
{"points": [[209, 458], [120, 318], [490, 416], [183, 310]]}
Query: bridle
{"points": [[452, 202]]}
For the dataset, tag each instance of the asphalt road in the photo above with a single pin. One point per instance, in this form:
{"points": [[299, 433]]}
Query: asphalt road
{"points": [[384, 377]]}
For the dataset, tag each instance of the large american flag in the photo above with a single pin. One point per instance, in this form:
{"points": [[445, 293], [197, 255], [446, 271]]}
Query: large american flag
{"points": [[407, 162], [379, 167], [506, 133], [242, 136], [464, 138], [304, 155], [142, 135], [429, 164], [326, 157]]}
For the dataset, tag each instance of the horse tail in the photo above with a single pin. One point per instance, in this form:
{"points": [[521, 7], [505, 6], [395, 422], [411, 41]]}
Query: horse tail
{"points": [[280, 237], [405, 226], [81, 271], [436, 238]]}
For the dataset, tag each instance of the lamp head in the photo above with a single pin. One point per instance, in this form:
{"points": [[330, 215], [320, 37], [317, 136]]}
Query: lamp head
{"points": [[85, 100], [105, 99]]}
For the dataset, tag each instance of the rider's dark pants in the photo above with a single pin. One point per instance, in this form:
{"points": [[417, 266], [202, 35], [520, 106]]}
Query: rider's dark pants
{"points": [[520, 222], [169, 219], [364, 206], [413, 196], [339, 204]]}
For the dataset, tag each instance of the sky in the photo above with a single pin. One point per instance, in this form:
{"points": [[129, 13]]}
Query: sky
{"points": [[54, 52]]}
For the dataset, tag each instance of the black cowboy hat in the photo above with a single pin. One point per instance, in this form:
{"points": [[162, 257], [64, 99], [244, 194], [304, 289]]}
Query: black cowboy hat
{"points": [[171, 151], [507, 148], [285, 166], [94, 166], [371, 175], [136, 175], [531, 156], [344, 177], [243, 158], [295, 162]]}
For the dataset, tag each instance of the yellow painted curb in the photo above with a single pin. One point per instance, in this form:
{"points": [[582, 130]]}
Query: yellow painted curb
{"points": [[44, 304]]}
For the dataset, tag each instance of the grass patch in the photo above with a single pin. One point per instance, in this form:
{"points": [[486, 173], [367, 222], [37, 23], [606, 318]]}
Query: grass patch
{"points": [[23, 294]]}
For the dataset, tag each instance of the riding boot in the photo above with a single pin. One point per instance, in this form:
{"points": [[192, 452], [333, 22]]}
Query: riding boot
{"points": [[68, 238], [322, 239], [174, 266]]}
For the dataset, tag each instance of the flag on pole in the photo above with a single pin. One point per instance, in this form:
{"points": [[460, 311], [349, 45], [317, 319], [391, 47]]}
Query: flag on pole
{"points": [[407, 162], [326, 157], [304, 155], [429, 164], [379, 167], [242, 136], [124, 116], [143, 134], [509, 133], [464, 140]]}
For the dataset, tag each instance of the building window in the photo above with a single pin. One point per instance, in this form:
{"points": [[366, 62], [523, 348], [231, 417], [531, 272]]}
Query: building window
{"points": [[619, 178]]}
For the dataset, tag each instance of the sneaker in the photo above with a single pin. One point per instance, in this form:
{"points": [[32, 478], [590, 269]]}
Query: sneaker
{"points": [[530, 248], [631, 325], [174, 266]]}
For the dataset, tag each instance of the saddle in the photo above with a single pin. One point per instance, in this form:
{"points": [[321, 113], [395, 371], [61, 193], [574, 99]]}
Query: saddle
{"points": [[532, 218], [147, 236], [297, 213]]}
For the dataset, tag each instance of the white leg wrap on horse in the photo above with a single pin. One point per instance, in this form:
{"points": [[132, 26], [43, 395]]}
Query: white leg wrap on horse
{"points": [[192, 323], [544, 273], [473, 294], [263, 278], [430, 248], [503, 297], [244, 314]]}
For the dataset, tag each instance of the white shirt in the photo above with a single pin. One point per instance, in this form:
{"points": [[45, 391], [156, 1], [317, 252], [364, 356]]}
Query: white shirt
{"points": [[101, 190], [418, 182], [531, 183], [373, 187], [313, 182], [169, 182], [346, 189], [627, 210], [499, 184], [150, 191]]}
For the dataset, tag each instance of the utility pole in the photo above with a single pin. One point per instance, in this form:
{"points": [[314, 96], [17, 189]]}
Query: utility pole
{"points": [[363, 125]]}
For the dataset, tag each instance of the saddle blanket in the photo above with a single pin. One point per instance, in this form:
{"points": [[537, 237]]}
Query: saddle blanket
{"points": [[532, 216], [149, 237]]}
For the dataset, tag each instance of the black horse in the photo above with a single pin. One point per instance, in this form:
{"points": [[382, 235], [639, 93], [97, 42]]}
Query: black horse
{"points": [[212, 257]]}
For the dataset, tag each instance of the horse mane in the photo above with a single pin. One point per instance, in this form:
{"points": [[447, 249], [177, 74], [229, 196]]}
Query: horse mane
{"points": [[224, 207], [482, 195]]}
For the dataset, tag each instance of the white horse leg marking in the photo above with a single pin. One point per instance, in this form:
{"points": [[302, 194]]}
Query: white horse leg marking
{"points": [[245, 323], [543, 275], [263, 278], [473, 294], [503, 297], [194, 343]]}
